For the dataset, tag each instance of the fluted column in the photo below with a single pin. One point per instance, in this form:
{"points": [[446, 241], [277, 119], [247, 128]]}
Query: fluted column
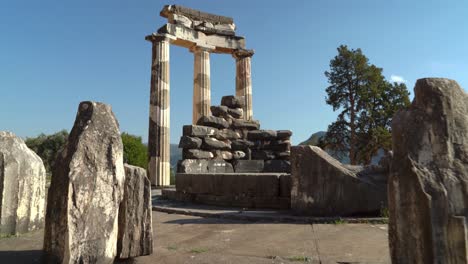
{"points": [[159, 167], [244, 79], [201, 83]]}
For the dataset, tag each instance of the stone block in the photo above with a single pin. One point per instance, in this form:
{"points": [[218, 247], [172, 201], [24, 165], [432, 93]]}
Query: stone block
{"points": [[277, 166], [285, 155], [214, 144], [238, 154], [322, 186], [245, 124], [285, 185], [192, 166], [219, 166], [248, 165], [230, 184], [213, 121], [22, 187], [283, 134], [223, 155], [199, 131], [187, 142], [219, 110], [224, 134], [241, 144], [236, 112], [263, 155], [233, 101], [196, 154], [86, 191], [428, 189], [278, 146], [261, 135], [135, 237]]}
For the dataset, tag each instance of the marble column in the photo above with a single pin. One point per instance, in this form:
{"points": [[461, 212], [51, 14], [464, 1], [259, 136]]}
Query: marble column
{"points": [[201, 83], [159, 167], [244, 79]]}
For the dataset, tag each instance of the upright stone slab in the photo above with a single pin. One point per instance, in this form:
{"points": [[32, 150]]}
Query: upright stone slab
{"points": [[322, 186], [22, 186], [86, 190], [135, 230], [428, 190]]}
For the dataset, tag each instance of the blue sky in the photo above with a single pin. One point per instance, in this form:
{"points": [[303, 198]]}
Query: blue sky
{"points": [[54, 54]]}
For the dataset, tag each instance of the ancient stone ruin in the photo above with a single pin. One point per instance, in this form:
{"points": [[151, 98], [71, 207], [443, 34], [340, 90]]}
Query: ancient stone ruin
{"points": [[323, 186], [428, 193], [22, 187], [135, 236], [202, 33], [227, 143], [86, 190]]}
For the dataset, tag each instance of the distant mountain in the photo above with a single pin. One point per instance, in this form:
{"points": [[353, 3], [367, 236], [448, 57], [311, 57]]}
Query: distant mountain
{"points": [[314, 139], [342, 156]]}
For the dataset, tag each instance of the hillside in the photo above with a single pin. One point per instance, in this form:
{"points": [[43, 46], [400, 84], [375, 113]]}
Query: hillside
{"points": [[314, 139], [176, 154]]}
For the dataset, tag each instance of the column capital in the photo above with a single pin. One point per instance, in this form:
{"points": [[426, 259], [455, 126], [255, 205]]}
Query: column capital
{"points": [[242, 53], [201, 47], [159, 37]]}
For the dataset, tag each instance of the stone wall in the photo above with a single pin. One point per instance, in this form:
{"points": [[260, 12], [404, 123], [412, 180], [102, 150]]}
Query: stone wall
{"points": [[226, 143]]}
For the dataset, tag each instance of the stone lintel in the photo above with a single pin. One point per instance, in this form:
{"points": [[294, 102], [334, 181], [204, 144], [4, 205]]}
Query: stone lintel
{"points": [[187, 37], [160, 37], [243, 53], [202, 47], [195, 14]]}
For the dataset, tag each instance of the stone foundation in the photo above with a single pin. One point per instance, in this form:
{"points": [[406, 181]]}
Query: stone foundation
{"points": [[248, 190]]}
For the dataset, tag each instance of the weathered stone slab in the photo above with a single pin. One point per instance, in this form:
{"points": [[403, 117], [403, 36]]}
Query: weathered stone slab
{"points": [[219, 110], [263, 154], [285, 155], [195, 14], [213, 121], [248, 165], [188, 37], [322, 186], [277, 166], [283, 134], [278, 146], [219, 166], [135, 237], [214, 144], [22, 187], [285, 185], [192, 166], [196, 154], [232, 101], [86, 190], [230, 184], [261, 135], [236, 112], [238, 154], [223, 155], [199, 131], [187, 142], [241, 144], [224, 134], [245, 124], [428, 194]]}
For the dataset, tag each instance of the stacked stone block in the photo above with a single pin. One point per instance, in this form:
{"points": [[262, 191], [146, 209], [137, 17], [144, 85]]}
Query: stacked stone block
{"points": [[226, 142]]}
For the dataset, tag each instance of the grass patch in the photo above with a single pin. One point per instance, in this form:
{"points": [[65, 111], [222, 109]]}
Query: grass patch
{"points": [[198, 250], [340, 222], [7, 236], [172, 248], [384, 212], [299, 259]]}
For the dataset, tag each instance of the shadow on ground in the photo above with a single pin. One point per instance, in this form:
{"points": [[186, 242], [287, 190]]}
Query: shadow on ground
{"points": [[21, 257]]}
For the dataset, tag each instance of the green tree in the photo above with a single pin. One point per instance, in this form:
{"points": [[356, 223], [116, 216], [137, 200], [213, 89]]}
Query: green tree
{"points": [[367, 103], [135, 152], [47, 147]]}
